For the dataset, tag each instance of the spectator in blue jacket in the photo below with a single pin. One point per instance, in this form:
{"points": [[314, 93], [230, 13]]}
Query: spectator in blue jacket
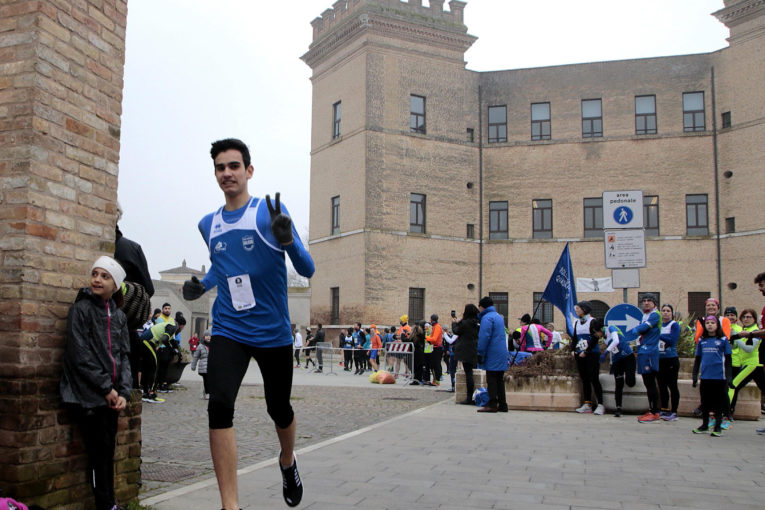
{"points": [[492, 355]]}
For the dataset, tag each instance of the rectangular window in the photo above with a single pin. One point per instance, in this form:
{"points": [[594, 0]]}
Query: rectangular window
{"points": [[500, 303], [470, 135], [544, 310], [417, 114], [541, 212], [416, 304], [725, 120], [693, 111], [592, 118], [593, 217], [497, 124], [417, 213], [470, 231], [498, 220], [730, 225], [645, 115], [336, 112], [335, 215], [696, 304], [651, 214], [540, 121], [334, 305], [642, 294], [696, 216]]}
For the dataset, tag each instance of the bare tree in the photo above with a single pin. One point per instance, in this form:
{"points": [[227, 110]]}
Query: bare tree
{"points": [[293, 278]]}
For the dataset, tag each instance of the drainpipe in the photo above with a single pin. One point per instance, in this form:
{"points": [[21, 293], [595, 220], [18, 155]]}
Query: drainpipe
{"points": [[480, 194], [717, 186]]}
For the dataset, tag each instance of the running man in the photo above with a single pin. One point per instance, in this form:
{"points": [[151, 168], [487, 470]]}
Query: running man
{"points": [[247, 239]]}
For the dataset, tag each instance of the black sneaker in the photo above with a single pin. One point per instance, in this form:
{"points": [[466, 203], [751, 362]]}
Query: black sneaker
{"points": [[618, 412], [292, 486]]}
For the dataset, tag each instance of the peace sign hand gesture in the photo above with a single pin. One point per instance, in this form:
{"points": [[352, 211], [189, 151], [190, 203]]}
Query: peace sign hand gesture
{"points": [[281, 224]]}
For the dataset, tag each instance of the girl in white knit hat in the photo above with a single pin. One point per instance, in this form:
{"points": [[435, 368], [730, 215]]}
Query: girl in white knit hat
{"points": [[96, 379]]}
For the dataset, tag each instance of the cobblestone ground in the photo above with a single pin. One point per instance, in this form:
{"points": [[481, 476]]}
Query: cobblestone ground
{"points": [[175, 446]]}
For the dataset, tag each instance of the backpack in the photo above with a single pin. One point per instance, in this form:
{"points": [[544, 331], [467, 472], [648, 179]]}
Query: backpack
{"points": [[137, 305]]}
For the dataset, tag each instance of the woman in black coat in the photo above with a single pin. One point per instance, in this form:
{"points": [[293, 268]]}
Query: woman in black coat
{"points": [[466, 346]]}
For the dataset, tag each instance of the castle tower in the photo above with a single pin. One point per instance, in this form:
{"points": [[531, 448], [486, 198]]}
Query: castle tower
{"points": [[388, 169]]}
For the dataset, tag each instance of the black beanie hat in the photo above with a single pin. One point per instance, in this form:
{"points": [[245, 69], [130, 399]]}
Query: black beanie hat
{"points": [[585, 306]]}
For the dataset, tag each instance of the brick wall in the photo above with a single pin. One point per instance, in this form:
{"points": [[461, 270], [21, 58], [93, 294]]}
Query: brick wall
{"points": [[61, 67]]}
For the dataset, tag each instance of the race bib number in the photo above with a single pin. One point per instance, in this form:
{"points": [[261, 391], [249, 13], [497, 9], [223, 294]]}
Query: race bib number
{"points": [[581, 345], [661, 345], [241, 292]]}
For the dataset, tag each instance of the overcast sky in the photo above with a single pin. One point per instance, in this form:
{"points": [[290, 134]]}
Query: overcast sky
{"points": [[201, 70]]}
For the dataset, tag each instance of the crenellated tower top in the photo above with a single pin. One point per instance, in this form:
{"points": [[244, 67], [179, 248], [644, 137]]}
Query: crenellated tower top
{"points": [[744, 18], [409, 20]]}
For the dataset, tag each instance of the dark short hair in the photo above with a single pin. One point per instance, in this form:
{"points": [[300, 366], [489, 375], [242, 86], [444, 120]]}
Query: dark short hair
{"points": [[760, 277], [319, 325], [596, 325], [166, 304], [486, 302], [229, 144]]}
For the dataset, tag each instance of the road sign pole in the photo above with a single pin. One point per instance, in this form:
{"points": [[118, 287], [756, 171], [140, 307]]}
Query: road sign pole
{"points": [[624, 295]]}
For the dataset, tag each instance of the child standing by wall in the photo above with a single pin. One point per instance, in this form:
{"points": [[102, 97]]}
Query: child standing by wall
{"points": [[200, 360], [713, 360], [96, 377]]}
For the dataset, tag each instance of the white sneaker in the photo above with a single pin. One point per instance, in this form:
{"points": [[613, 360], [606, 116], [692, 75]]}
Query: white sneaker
{"points": [[586, 409], [600, 410]]}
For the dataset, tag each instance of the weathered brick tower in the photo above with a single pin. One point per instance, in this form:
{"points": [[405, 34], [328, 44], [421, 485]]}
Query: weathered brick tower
{"points": [[61, 69], [372, 61]]}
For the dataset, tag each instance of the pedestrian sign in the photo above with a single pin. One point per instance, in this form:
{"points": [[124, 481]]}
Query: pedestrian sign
{"points": [[622, 209], [623, 215]]}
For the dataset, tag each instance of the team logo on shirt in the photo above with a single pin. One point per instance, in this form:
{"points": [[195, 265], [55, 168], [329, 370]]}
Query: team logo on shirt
{"points": [[220, 247], [217, 228], [248, 242]]}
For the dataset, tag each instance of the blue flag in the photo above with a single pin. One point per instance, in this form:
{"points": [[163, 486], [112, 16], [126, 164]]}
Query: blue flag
{"points": [[560, 291]]}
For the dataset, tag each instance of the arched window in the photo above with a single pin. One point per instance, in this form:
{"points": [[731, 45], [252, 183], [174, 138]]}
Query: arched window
{"points": [[599, 309]]}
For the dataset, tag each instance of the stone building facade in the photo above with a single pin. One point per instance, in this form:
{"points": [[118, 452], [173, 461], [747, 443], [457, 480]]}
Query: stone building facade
{"points": [[507, 166], [61, 68]]}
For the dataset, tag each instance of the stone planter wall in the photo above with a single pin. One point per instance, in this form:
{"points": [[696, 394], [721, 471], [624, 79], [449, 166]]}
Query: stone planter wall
{"points": [[563, 393], [543, 393]]}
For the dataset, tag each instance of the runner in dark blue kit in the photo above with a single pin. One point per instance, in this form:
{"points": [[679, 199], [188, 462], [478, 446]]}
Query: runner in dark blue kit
{"points": [[247, 239]]}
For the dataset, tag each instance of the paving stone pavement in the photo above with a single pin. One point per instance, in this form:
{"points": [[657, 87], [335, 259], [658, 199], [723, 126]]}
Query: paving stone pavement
{"points": [[175, 447], [445, 456]]}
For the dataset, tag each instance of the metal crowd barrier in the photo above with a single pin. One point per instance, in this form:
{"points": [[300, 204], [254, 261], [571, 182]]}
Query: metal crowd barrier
{"points": [[396, 358]]}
